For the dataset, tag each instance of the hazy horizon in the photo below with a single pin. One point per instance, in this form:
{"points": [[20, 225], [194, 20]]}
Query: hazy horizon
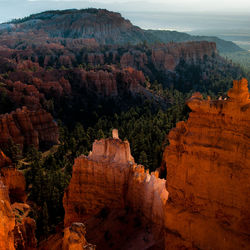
{"points": [[10, 9], [229, 21]]}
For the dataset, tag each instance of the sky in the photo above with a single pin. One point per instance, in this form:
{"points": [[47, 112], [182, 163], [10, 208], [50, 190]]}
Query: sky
{"points": [[10, 9]]}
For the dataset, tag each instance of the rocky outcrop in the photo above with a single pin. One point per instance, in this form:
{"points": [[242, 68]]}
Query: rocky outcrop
{"points": [[74, 238], [112, 82], [26, 127], [147, 194], [168, 56], [99, 180], [15, 182], [13, 210], [89, 27], [109, 178], [208, 173], [7, 220], [17, 229], [24, 231], [104, 26]]}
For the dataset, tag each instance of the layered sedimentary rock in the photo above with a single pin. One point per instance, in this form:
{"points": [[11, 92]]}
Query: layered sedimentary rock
{"points": [[71, 238], [26, 127], [24, 231], [99, 180], [7, 220], [112, 82], [208, 174], [147, 194], [15, 181], [74, 238], [168, 56], [13, 207], [109, 178]]}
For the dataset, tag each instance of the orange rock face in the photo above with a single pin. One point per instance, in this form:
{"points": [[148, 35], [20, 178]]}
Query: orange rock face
{"points": [[25, 227], [26, 127], [15, 182], [109, 178], [7, 220], [208, 173], [71, 238], [17, 230]]}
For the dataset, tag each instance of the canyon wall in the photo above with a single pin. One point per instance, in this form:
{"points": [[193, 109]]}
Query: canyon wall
{"points": [[17, 229], [109, 178], [208, 174], [165, 57], [26, 127], [7, 220]]}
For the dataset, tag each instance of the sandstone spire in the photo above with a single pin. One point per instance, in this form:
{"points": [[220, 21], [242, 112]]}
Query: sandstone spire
{"points": [[208, 162]]}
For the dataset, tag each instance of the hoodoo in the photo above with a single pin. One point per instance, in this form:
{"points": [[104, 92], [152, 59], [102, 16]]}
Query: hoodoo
{"points": [[208, 173], [27, 127], [109, 178]]}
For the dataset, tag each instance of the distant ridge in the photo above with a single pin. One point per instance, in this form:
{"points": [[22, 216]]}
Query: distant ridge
{"points": [[106, 27]]}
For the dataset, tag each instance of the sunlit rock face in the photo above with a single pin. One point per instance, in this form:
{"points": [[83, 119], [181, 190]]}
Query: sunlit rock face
{"points": [[17, 229], [26, 127], [25, 227], [167, 56], [7, 220], [109, 178], [208, 174]]}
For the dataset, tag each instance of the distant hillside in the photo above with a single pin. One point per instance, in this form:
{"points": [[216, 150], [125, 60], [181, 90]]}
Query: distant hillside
{"points": [[166, 36], [104, 26]]}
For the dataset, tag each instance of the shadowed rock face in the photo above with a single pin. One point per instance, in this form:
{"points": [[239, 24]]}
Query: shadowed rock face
{"points": [[208, 162], [74, 238], [26, 127]]}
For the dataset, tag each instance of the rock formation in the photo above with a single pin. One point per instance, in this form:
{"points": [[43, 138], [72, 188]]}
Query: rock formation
{"points": [[168, 56], [208, 173], [74, 238], [17, 229], [112, 82], [26, 127], [7, 220], [15, 182], [109, 179], [71, 238], [24, 231]]}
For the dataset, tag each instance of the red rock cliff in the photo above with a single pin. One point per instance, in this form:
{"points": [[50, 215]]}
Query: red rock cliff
{"points": [[7, 220], [26, 127], [108, 177], [208, 174]]}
